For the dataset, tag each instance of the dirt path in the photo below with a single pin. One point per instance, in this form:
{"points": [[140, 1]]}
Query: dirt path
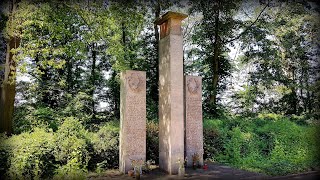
{"points": [[215, 171]]}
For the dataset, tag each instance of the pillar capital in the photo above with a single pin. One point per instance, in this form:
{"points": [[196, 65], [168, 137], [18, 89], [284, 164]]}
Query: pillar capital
{"points": [[170, 23], [170, 15]]}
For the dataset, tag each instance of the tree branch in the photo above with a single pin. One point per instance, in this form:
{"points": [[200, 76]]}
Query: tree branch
{"points": [[237, 37]]}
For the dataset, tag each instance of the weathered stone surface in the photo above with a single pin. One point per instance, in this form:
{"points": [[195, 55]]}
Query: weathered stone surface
{"points": [[132, 118], [171, 118], [193, 115]]}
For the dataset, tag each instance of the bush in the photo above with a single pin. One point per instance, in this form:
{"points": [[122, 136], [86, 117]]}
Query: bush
{"points": [[64, 154], [79, 107], [294, 149], [213, 138], [153, 141], [72, 170], [270, 116], [270, 144], [30, 155], [105, 144], [27, 117], [4, 156], [71, 148]]}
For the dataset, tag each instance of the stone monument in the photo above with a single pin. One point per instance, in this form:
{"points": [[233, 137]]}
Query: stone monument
{"points": [[132, 118], [171, 106], [193, 115]]}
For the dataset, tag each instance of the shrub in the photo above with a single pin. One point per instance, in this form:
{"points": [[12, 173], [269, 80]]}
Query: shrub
{"points": [[232, 146], [31, 155], [105, 144], [71, 148], [295, 148], [79, 107], [213, 136], [4, 155], [27, 117], [72, 170], [271, 144], [153, 141], [270, 116]]}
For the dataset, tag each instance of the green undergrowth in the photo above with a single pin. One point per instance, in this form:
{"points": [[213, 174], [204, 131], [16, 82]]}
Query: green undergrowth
{"points": [[270, 144], [70, 152]]}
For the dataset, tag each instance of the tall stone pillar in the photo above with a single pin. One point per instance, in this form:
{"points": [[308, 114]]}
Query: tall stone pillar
{"points": [[171, 108], [132, 118], [193, 115]]}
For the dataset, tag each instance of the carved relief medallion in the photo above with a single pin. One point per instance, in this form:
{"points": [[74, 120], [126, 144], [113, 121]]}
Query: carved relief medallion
{"points": [[193, 85], [135, 82]]}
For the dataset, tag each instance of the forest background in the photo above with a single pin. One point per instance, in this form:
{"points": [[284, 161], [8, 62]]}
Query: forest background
{"points": [[60, 94]]}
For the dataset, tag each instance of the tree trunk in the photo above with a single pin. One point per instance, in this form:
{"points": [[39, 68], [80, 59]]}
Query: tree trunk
{"points": [[47, 98], [123, 28], [294, 101], [70, 76], [156, 30], [116, 96], [301, 88], [8, 87], [309, 107], [154, 86], [308, 96], [93, 79], [215, 61]]}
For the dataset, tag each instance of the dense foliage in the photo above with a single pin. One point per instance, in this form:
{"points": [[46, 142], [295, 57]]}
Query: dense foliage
{"points": [[67, 153], [271, 144], [281, 58]]}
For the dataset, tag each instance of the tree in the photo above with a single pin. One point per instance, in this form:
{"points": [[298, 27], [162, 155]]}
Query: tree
{"points": [[7, 89], [210, 35], [71, 50], [281, 47], [148, 51], [66, 51]]}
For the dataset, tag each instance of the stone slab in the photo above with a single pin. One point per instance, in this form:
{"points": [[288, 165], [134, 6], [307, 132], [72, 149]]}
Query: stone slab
{"points": [[132, 118], [193, 116]]}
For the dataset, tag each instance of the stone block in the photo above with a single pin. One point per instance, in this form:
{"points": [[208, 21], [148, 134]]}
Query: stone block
{"points": [[193, 116], [132, 119]]}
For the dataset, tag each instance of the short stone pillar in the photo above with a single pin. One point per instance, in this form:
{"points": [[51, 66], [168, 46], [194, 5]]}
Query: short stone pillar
{"points": [[193, 115], [132, 118], [171, 107]]}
